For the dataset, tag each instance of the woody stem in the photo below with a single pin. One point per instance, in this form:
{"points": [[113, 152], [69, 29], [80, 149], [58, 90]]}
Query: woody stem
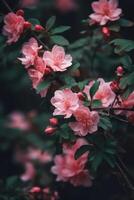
{"points": [[7, 6]]}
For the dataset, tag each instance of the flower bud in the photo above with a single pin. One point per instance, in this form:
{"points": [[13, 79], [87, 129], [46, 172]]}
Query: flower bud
{"points": [[48, 71], [119, 71], [106, 31], [27, 25], [35, 189], [114, 86], [38, 28], [81, 96], [20, 12], [49, 130], [53, 121]]}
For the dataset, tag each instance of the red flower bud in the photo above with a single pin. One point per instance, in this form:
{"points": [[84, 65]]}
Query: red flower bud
{"points": [[48, 71], [49, 130], [53, 121], [27, 25], [35, 189], [114, 86], [20, 12], [81, 96], [106, 31], [120, 71], [38, 28]]}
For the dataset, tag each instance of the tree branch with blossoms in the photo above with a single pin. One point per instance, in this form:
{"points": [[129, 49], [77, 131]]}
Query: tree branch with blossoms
{"points": [[84, 99]]}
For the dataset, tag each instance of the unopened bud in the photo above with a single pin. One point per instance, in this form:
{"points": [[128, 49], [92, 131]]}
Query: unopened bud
{"points": [[35, 189], [106, 31], [20, 12], [81, 96], [120, 71], [53, 121], [114, 86], [27, 25], [38, 28], [48, 71], [49, 130]]}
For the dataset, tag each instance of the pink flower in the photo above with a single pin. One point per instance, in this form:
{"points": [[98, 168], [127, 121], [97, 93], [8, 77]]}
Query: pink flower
{"points": [[18, 120], [70, 170], [35, 76], [28, 3], [105, 11], [129, 102], [29, 172], [104, 93], [13, 28], [86, 121], [65, 5], [57, 59], [37, 154], [66, 102], [30, 52]]}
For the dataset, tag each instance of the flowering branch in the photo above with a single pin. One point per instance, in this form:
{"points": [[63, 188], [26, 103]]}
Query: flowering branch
{"points": [[7, 6]]}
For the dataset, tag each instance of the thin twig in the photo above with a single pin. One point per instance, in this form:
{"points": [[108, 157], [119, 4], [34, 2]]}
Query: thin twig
{"points": [[7, 6], [42, 43], [125, 176], [113, 108]]}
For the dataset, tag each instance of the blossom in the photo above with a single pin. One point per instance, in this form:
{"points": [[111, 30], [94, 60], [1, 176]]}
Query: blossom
{"points": [[104, 92], [18, 120], [70, 170], [30, 52], [28, 3], [105, 11], [65, 5], [66, 102], [56, 59], [86, 121], [29, 172], [14, 26], [35, 76]]}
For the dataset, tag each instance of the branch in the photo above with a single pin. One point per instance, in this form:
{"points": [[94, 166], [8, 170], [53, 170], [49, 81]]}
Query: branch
{"points": [[113, 108], [7, 6]]}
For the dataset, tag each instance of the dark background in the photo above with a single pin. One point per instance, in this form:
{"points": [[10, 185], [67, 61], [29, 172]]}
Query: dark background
{"points": [[109, 188]]}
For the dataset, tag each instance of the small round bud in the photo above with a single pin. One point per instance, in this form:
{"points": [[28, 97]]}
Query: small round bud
{"points": [[81, 96], [106, 31], [20, 12], [119, 71], [49, 130], [48, 71], [27, 25], [35, 189], [53, 121], [38, 28]]}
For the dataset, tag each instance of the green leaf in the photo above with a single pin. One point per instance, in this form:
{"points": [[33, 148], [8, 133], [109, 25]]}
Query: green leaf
{"points": [[43, 85], [96, 103], [60, 29], [83, 149], [105, 123], [122, 45], [58, 39], [125, 23], [96, 162], [94, 88], [34, 21], [50, 22], [127, 80], [78, 43], [110, 160]]}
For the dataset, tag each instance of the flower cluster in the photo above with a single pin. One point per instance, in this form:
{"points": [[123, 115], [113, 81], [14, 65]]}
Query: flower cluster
{"points": [[70, 170], [39, 67]]}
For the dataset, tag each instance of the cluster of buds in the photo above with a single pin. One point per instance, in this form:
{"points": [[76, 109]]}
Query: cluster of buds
{"points": [[49, 130], [115, 84], [36, 193], [27, 24]]}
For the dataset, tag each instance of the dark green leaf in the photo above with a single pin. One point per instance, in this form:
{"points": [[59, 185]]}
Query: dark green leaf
{"points": [[125, 23], [94, 88], [43, 85], [122, 45], [58, 39], [50, 22], [83, 149], [60, 29]]}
